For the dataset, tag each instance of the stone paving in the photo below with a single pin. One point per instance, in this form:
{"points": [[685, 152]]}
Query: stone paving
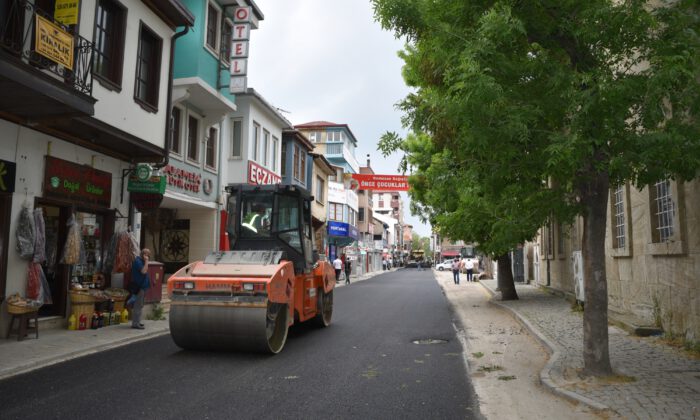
{"points": [[664, 382]]}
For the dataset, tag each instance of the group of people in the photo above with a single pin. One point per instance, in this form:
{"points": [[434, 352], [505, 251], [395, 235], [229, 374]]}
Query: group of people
{"points": [[387, 263], [339, 265], [458, 264]]}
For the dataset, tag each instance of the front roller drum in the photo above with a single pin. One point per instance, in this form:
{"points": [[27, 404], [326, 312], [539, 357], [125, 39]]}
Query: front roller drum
{"points": [[217, 327]]}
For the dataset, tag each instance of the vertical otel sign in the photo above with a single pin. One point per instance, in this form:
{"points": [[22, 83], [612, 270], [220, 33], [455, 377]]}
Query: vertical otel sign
{"points": [[239, 50]]}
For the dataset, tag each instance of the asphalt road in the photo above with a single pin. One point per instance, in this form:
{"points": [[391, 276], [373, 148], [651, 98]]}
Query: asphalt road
{"points": [[365, 365]]}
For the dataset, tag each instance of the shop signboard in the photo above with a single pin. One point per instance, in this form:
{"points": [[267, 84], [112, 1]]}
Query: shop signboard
{"points": [[66, 11], [257, 175], [7, 176], [336, 193], [53, 42], [242, 18], [79, 183], [152, 185], [381, 182]]}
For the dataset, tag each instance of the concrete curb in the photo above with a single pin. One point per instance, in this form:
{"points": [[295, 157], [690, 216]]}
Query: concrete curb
{"points": [[64, 357], [555, 355]]}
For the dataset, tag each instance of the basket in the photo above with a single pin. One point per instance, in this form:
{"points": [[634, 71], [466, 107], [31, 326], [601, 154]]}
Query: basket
{"points": [[19, 310], [118, 296], [119, 303], [78, 309], [81, 297]]}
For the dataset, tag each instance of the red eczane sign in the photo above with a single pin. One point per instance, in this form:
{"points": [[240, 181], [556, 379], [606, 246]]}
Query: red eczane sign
{"points": [[381, 182], [257, 175]]}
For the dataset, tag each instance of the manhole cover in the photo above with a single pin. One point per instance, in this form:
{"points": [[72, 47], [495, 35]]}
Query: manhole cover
{"points": [[429, 341]]}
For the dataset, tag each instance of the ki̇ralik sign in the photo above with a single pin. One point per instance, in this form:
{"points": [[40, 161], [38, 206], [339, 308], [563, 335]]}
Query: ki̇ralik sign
{"points": [[379, 182], [242, 17], [53, 42]]}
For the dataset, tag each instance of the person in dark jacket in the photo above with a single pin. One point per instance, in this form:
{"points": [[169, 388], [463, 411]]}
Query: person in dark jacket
{"points": [[348, 270], [139, 275]]}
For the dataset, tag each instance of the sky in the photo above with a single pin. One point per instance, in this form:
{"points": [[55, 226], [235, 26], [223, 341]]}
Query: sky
{"points": [[321, 60]]}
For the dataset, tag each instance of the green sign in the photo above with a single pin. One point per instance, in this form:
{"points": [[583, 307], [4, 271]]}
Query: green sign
{"points": [[154, 185], [143, 172]]}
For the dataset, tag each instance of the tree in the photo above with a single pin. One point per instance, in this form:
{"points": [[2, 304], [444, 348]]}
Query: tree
{"points": [[582, 95]]}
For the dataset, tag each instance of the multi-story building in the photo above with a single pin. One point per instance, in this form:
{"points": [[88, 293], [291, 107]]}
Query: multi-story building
{"points": [[390, 204], [297, 161], [337, 144], [81, 105], [370, 252], [186, 226], [322, 170]]}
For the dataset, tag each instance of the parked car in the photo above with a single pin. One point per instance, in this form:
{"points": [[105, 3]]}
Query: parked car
{"points": [[445, 265]]}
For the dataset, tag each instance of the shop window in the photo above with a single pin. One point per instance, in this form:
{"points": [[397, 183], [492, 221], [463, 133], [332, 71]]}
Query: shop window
{"points": [[148, 69], [210, 150], [176, 130], [236, 139], [108, 38], [212, 28], [192, 138]]}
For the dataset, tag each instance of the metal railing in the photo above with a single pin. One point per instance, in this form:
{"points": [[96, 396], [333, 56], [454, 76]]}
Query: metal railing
{"points": [[17, 37]]}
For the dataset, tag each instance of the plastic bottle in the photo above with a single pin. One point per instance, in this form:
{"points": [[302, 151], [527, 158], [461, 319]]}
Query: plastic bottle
{"points": [[108, 319], [82, 322], [72, 323], [95, 321], [125, 316]]}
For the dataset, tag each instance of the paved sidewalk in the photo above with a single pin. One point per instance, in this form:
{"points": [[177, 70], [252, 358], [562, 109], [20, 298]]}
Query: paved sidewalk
{"points": [[666, 381], [56, 345]]}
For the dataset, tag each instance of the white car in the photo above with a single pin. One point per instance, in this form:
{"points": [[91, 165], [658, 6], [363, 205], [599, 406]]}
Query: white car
{"points": [[445, 265]]}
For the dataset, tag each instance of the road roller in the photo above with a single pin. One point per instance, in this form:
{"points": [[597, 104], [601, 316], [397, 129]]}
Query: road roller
{"points": [[246, 298]]}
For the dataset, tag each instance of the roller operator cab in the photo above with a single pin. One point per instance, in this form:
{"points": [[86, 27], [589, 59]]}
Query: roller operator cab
{"points": [[246, 298]]}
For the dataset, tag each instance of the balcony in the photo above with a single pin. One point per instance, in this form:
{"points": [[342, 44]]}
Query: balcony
{"points": [[34, 86], [337, 153]]}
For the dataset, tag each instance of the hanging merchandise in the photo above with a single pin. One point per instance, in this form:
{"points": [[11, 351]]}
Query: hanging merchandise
{"points": [[125, 253], [37, 285], [108, 264], [39, 236], [71, 251], [25, 234]]}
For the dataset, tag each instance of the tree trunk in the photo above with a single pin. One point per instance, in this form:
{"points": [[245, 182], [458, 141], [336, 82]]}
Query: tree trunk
{"points": [[505, 278], [596, 356]]}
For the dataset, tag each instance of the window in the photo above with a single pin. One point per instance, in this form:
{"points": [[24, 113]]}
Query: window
{"points": [[148, 69], [110, 26], [560, 240], [302, 166], [352, 217], [212, 29], [256, 140], [192, 138], [226, 42], [210, 149], [266, 148], [313, 138], [335, 136], [663, 211], [236, 139], [335, 211], [320, 188], [176, 131], [618, 217], [275, 146], [361, 215], [283, 168], [295, 162], [381, 201]]}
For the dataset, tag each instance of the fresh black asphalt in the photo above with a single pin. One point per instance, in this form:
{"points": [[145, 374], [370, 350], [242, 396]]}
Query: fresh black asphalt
{"points": [[365, 365]]}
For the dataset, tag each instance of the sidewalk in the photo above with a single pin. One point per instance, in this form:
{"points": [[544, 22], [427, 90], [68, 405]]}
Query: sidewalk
{"points": [[56, 345], [662, 382]]}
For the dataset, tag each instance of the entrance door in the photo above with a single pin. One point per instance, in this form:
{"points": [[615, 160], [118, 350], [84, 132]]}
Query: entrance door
{"points": [[55, 218], [5, 210]]}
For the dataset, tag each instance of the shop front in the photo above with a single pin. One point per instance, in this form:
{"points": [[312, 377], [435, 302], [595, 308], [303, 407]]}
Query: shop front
{"points": [[340, 236], [7, 189]]}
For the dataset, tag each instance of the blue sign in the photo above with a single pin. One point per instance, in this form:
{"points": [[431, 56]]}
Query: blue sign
{"points": [[342, 229]]}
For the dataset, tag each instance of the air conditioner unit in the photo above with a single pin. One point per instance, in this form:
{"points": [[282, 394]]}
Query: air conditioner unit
{"points": [[578, 275]]}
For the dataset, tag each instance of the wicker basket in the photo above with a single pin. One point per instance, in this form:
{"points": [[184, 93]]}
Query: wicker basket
{"points": [[81, 297], [78, 309], [118, 296], [119, 303], [18, 310]]}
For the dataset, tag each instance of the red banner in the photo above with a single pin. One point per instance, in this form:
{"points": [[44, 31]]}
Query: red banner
{"points": [[379, 182]]}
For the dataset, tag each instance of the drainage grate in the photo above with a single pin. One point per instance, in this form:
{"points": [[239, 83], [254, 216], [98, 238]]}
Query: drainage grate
{"points": [[430, 341]]}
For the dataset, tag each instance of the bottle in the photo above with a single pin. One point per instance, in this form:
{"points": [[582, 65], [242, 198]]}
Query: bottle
{"points": [[72, 323], [82, 322], [125, 316], [95, 321], [116, 318], [108, 318], [100, 320]]}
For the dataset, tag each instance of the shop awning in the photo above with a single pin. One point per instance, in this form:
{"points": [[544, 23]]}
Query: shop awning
{"points": [[450, 253]]}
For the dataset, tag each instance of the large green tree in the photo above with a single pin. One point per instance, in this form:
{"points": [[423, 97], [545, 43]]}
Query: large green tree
{"points": [[584, 95]]}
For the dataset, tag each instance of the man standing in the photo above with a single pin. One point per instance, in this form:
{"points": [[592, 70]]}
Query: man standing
{"points": [[348, 270], [469, 266], [338, 267], [139, 275], [455, 270]]}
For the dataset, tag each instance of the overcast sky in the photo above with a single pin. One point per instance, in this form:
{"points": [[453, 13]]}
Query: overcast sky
{"points": [[329, 60]]}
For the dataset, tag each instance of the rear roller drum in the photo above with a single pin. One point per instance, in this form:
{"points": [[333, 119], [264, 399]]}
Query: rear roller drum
{"points": [[325, 309]]}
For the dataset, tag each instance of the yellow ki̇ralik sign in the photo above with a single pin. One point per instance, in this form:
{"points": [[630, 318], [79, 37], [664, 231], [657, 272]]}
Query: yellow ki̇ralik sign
{"points": [[54, 43]]}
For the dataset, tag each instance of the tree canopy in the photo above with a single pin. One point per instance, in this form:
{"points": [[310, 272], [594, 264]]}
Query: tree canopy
{"points": [[528, 111]]}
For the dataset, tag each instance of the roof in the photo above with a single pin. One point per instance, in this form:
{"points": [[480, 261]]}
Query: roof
{"points": [[299, 136], [327, 124], [326, 165], [172, 12]]}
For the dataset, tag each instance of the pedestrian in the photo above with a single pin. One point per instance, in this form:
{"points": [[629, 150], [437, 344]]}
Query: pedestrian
{"points": [[469, 266], [338, 267], [348, 270], [384, 264], [455, 270], [139, 276], [391, 263], [420, 267]]}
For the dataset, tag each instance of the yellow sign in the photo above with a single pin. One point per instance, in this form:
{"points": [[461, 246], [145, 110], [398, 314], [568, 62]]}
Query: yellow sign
{"points": [[54, 43], [66, 12]]}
